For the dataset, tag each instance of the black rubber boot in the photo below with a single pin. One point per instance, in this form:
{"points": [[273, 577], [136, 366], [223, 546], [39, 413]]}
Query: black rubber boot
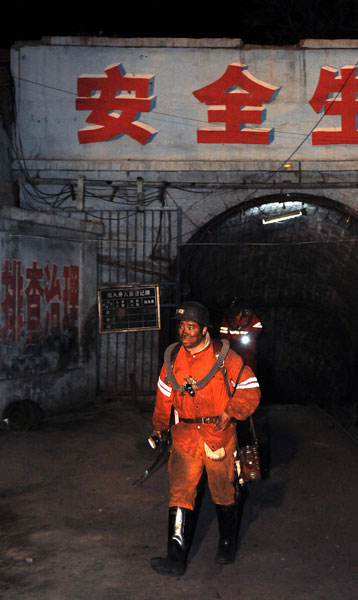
{"points": [[180, 533], [228, 520]]}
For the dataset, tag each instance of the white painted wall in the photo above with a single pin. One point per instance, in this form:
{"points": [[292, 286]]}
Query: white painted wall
{"points": [[203, 178], [47, 121]]}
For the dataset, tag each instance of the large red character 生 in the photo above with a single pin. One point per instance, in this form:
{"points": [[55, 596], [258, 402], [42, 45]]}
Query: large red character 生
{"points": [[235, 108], [103, 96], [337, 95]]}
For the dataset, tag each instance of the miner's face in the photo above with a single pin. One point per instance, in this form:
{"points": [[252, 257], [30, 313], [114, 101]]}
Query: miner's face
{"points": [[191, 334]]}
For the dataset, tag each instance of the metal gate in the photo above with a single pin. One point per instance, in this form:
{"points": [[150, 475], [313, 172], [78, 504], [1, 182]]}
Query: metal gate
{"points": [[138, 247]]}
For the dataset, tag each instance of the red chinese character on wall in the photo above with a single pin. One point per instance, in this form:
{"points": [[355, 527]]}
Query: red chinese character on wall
{"points": [[13, 302], [104, 95], [70, 296], [34, 293], [337, 95], [235, 108], [52, 290]]}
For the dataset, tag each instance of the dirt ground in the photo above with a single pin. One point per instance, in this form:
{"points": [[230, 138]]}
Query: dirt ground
{"points": [[73, 526]]}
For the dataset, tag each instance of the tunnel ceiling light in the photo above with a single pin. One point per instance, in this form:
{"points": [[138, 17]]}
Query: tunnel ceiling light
{"points": [[283, 217]]}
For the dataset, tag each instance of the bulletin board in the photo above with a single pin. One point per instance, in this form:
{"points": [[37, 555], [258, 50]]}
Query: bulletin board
{"points": [[128, 308]]}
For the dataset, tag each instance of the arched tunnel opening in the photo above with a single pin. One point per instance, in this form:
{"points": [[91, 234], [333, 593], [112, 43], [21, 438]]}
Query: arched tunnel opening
{"points": [[300, 277]]}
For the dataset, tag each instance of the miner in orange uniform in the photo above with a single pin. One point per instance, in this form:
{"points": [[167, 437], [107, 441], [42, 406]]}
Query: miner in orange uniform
{"points": [[203, 437], [241, 326]]}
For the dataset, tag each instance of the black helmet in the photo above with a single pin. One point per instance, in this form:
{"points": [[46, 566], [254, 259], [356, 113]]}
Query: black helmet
{"points": [[192, 311]]}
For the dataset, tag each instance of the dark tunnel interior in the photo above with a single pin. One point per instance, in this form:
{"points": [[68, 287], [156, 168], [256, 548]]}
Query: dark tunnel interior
{"points": [[300, 277]]}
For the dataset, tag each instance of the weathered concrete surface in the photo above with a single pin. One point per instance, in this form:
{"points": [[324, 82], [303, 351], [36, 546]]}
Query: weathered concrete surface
{"points": [[73, 526], [48, 309]]}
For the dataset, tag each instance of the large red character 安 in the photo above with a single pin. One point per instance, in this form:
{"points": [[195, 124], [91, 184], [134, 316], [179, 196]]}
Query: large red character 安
{"points": [[336, 94], [235, 108], [103, 96]]}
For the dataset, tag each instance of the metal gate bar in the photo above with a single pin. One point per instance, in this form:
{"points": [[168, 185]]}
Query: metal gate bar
{"points": [[138, 246]]}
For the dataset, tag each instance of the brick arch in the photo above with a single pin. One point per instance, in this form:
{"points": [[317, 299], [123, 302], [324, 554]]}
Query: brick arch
{"points": [[300, 276]]}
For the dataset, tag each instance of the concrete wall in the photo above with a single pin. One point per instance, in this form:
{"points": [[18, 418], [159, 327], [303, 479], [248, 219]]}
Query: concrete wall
{"points": [[56, 85], [8, 191], [48, 309], [50, 81], [6, 185], [167, 162]]}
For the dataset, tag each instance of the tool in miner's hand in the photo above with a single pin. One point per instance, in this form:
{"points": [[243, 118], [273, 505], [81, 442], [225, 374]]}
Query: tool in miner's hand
{"points": [[161, 447]]}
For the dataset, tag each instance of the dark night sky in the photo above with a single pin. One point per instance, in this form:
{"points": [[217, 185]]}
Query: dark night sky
{"points": [[273, 22]]}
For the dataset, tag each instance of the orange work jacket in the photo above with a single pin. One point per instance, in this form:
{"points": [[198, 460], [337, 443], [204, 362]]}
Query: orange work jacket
{"points": [[242, 334], [212, 400]]}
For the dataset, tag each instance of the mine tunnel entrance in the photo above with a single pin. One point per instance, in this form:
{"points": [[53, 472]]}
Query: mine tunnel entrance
{"points": [[300, 277]]}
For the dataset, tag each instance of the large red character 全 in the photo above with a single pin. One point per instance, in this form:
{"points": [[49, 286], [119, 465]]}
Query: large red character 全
{"points": [[103, 95], [336, 94], [235, 108]]}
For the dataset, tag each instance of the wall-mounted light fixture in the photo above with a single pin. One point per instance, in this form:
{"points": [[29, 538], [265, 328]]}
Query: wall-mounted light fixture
{"points": [[282, 217]]}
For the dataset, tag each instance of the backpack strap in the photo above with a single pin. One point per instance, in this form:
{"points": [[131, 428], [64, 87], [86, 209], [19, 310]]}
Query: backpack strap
{"points": [[169, 358], [230, 394], [223, 370]]}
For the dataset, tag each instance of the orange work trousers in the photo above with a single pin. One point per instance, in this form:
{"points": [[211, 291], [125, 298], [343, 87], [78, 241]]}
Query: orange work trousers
{"points": [[185, 471]]}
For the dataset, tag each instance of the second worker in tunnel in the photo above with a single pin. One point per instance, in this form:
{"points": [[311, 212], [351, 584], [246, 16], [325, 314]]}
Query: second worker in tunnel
{"points": [[203, 437]]}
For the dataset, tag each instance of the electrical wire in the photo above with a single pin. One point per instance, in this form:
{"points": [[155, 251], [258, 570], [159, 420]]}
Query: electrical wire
{"points": [[189, 121], [325, 112], [134, 242]]}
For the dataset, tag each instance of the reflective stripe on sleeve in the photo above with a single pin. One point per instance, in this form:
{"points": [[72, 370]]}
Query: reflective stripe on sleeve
{"points": [[257, 325], [251, 382], [238, 332], [164, 388]]}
